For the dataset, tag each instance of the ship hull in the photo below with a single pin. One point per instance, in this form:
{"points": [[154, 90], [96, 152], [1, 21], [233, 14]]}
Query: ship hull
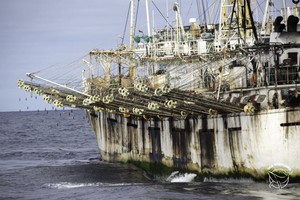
{"points": [[244, 144]]}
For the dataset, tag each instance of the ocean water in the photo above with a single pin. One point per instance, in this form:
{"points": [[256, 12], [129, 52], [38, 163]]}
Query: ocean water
{"points": [[53, 155]]}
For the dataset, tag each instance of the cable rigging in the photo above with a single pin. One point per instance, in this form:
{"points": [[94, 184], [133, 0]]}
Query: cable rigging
{"points": [[136, 16], [161, 14], [198, 11], [204, 14], [126, 23]]}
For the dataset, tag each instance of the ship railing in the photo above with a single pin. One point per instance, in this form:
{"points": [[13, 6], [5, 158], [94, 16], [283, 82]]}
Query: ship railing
{"points": [[172, 48]]}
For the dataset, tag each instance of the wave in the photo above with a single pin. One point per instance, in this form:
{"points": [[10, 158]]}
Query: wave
{"points": [[177, 177]]}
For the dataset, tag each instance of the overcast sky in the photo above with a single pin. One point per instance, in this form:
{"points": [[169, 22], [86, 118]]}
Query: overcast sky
{"points": [[35, 34], [38, 33]]}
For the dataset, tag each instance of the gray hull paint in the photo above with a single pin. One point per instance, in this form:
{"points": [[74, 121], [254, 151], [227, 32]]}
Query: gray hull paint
{"points": [[243, 144]]}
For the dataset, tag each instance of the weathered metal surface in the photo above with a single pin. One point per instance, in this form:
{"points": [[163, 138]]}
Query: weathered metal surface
{"points": [[222, 144]]}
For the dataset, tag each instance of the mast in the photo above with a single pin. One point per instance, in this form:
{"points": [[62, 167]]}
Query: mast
{"points": [[265, 21], [249, 13], [221, 21], [131, 70], [131, 26], [179, 25], [177, 22], [148, 18], [167, 7], [284, 12], [240, 16]]}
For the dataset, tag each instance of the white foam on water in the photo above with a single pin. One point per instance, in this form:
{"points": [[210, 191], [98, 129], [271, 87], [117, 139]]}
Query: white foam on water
{"points": [[173, 174], [68, 185], [120, 184], [228, 180], [176, 177]]}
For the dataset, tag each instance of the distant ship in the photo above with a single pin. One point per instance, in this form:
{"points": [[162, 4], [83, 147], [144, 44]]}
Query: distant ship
{"points": [[218, 99]]}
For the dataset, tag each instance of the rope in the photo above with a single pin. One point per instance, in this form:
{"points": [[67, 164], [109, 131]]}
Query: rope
{"points": [[126, 22], [218, 14], [136, 17], [187, 14], [204, 13], [198, 10], [161, 14]]}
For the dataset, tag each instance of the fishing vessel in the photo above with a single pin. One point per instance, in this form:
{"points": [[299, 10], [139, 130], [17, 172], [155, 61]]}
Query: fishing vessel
{"points": [[218, 99]]}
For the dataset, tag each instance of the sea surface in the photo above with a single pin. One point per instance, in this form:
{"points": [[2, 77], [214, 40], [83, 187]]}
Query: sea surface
{"points": [[54, 155]]}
